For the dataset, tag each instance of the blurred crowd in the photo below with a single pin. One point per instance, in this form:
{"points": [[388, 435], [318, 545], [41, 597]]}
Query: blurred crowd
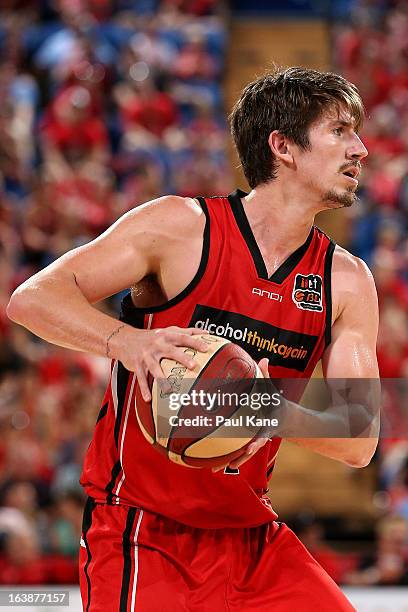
{"points": [[371, 49], [105, 105]]}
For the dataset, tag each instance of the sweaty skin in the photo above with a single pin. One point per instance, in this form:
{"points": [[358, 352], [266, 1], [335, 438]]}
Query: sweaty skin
{"points": [[146, 249]]}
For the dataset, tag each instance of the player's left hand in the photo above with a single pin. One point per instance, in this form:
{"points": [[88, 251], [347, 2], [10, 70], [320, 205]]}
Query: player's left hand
{"points": [[259, 441]]}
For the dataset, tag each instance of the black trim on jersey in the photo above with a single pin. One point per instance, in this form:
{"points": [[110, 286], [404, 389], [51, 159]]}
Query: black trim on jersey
{"points": [[86, 524], [128, 314], [243, 224], [131, 313], [246, 231], [270, 470], [328, 291], [103, 412], [127, 561], [109, 487], [122, 384], [292, 261], [231, 471]]}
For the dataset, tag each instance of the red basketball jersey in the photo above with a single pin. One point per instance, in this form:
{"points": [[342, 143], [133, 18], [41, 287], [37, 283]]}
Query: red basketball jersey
{"points": [[286, 318]]}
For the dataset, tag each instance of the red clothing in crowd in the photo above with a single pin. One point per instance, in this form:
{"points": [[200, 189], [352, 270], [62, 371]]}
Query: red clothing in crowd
{"points": [[82, 136], [155, 113], [52, 569], [391, 363]]}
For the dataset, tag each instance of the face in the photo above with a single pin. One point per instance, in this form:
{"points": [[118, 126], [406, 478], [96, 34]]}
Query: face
{"points": [[330, 167]]}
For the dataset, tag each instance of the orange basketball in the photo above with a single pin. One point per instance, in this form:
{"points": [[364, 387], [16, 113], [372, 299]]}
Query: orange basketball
{"points": [[190, 434]]}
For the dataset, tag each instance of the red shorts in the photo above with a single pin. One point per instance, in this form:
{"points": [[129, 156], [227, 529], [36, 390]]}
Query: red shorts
{"points": [[133, 560]]}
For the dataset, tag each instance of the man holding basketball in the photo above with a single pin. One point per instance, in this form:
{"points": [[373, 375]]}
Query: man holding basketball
{"points": [[160, 536]]}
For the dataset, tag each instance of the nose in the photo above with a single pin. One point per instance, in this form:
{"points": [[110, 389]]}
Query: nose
{"points": [[357, 150]]}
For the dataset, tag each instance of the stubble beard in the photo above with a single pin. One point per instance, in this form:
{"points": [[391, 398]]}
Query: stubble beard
{"points": [[344, 199]]}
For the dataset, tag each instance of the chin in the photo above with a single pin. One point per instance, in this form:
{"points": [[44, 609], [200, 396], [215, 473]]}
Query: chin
{"points": [[336, 199]]}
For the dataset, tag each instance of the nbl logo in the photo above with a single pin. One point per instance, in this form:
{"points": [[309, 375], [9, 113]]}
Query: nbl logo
{"points": [[307, 292]]}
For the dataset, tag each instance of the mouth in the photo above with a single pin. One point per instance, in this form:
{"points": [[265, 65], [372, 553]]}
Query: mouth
{"points": [[351, 174]]}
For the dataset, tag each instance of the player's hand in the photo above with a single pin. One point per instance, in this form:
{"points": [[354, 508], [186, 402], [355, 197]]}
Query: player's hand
{"points": [[144, 352], [259, 441]]}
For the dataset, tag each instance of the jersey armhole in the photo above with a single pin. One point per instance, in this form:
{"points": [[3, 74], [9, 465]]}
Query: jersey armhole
{"points": [[328, 291], [135, 311]]}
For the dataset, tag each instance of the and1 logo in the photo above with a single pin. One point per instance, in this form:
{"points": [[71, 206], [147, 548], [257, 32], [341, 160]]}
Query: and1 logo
{"points": [[307, 292]]}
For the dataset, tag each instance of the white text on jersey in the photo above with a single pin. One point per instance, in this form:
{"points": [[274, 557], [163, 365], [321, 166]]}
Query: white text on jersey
{"points": [[267, 294]]}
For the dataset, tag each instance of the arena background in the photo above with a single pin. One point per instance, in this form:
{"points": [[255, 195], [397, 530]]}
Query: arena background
{"points": [[106, 104]]}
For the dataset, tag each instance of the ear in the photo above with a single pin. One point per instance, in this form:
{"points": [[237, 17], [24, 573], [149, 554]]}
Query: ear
{"points": [[280, 147]]}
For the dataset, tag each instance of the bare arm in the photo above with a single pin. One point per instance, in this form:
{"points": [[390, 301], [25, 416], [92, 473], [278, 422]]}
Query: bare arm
{"points": [[56, 303], [351, 355]]}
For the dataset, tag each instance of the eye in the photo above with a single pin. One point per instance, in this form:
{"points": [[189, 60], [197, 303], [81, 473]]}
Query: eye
{"points": [[338, 131]]}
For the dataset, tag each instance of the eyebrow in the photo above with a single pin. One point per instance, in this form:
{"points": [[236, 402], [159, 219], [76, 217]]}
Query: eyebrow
{"points": [[348, 124], [342, 122]]}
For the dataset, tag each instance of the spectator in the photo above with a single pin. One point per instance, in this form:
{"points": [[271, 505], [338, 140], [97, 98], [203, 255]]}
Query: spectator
{"points": [[311, 533], [154, 50], [388, 566], [194, 61], [22, 563], [66, 528], [144, 110], [72, 134]]}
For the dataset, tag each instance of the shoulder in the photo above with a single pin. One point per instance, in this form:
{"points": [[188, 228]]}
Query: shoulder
{"points": [[171, 215], [170, 209], [154, 227], [346, 263], [352, 282]]}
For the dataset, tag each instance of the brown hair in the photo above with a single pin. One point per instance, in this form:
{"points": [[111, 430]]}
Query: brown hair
{"points": [[289, 100]]}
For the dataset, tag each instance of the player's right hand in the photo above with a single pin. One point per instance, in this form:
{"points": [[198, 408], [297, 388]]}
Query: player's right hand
{"points": [[143, 353]]}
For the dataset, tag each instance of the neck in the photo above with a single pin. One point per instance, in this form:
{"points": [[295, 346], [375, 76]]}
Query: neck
{"points": [[278, 217]]}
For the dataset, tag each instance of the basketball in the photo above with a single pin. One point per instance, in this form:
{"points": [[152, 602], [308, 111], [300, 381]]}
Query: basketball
{"points": [[195, 434]]}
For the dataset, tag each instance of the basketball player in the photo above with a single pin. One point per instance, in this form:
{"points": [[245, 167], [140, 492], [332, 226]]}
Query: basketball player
{"points": [[156, 535]]}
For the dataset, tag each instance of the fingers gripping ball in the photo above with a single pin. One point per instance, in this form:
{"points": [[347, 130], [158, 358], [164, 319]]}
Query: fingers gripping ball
{"points": [[208, 428]]}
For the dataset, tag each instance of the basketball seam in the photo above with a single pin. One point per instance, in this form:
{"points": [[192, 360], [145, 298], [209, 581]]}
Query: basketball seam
{"points": [[195, 382], [183, 455]]}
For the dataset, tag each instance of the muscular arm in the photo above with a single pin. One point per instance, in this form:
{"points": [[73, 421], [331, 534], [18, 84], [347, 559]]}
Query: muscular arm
{"points": [[352, 355], [56, 304]]}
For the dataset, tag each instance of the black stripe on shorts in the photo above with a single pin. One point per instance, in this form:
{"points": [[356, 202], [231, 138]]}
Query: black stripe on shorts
{"points": [[127, 561], [109, 487], [86, 524], [123, 380]]}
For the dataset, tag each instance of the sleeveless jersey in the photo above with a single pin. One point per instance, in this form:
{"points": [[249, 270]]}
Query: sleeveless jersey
{"points": [[286, 318]]}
